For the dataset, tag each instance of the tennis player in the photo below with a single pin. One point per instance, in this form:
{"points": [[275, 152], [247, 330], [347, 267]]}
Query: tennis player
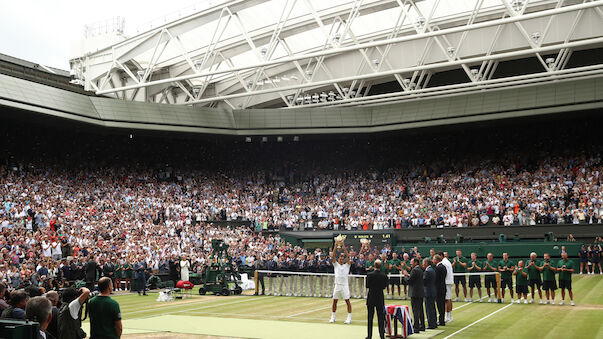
{"points": [[341, 266]]}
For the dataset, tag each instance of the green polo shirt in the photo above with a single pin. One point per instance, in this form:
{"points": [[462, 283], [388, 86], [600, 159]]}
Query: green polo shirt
{"points": [[506, 275], [383, 268], [369, 264], [103, 312], [493, 266], [392, 263], [533, 272], [477, 264], [407, 263], [118, 274], [547, 273], [474, 270], [457, 267], [127, 271], [564, 275], [520, 279]]}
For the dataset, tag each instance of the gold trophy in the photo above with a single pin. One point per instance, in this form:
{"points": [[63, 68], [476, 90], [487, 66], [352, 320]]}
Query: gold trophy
{"points": [[339, 241], [365, 242]]}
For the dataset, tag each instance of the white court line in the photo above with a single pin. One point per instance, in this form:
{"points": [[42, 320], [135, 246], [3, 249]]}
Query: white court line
{"points": [[467, 304], [319, 309], [198, 308], [220, 305], [477, 321]]}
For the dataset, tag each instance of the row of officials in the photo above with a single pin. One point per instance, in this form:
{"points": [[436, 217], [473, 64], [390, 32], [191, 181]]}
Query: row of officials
{"points": [[426, 286]]}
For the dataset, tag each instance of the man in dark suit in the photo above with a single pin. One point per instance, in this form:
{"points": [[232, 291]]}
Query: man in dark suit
{"points": [[440, 285], [259, 264], [416, 294], [91, 269], [139, 270], [429, 277], [174, 265], [109, 270], [376, 282]]}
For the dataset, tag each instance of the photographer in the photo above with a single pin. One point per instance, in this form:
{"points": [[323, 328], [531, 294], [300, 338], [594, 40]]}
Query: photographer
{"points": [[105, 316], [52, 328], [3, 304], [39, 309], [69, 319], [16, 308]]}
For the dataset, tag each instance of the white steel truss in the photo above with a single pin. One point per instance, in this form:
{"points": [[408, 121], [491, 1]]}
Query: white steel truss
{"points": [[346, 63]]}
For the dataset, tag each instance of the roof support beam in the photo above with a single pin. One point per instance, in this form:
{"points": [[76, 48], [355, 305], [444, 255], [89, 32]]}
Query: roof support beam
{"points": [[339, 50]]}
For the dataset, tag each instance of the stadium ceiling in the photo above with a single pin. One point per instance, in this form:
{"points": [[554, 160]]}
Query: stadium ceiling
{"points": [[311, 53]]}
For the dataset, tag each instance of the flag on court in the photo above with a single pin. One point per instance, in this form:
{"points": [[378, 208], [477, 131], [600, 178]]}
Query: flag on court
{"points": [[401, 313]]}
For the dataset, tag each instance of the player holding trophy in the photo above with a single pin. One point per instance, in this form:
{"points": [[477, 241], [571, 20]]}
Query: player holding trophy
{"points": [[341, 265]]}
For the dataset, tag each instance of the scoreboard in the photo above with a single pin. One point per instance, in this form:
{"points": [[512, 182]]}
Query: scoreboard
{"points": [[378, 240]]}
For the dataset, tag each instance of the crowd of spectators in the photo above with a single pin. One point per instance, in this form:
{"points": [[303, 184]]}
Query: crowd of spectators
{"points": [[556, 191], [67, 197]]}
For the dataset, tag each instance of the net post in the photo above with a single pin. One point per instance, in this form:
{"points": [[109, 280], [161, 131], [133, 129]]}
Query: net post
{"points": [[498, 294], [255, 280]]}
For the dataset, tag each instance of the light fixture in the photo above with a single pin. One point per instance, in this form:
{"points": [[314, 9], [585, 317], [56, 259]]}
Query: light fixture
{"points": [[517, 5], [140, 73], [337, 37], [475, 73], [295, 138], [338, 97], [331, 96], [249, 83], [315, 98], [535, 36], [451, 50], [260, 83], [420, 21], [196, 91], [294, 77], [550, 62], [285, 78], [309, 72], [406, 82], [198, 63], [276, 79], [247, 139], [264, 50], [264, 139], [376, 62], [279, 139]]}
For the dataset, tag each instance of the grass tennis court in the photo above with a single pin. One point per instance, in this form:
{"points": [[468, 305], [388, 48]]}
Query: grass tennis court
{"points": [[303, 317]]}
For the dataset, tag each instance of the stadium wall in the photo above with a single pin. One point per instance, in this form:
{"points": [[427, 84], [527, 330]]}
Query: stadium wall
{"points": [[482, 233], [549, 98]]}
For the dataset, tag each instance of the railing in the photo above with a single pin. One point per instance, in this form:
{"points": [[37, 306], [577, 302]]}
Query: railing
{"points": [[178, 14]]}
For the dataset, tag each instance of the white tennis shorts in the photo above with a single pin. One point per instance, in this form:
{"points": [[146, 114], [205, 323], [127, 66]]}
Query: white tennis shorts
{"points": [[448, 292], [341, 292]]}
